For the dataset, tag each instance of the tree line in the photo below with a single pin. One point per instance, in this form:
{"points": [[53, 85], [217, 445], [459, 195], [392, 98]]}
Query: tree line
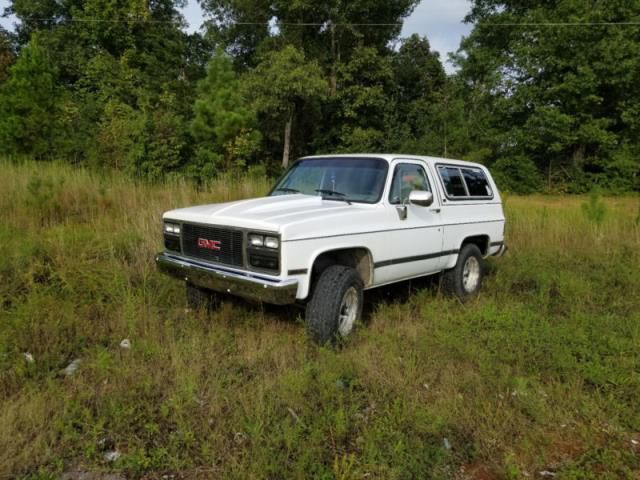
{"points": [[546, 93]]}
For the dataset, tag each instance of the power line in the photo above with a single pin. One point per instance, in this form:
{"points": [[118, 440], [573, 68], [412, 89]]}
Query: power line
{"points": [[265, 24], [559, 24], [101, 20], [341, 24], [287, 24]]}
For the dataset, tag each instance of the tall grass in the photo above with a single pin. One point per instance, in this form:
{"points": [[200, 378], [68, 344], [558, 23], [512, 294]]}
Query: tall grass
{"points": [[542, 372]]}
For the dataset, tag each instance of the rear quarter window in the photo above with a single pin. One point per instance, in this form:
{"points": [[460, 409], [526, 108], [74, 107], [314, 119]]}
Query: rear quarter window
{"points": [[477, 182], [452, 180], [465, 182]]}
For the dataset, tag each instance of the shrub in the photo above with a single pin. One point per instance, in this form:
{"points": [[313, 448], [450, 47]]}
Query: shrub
{"points": [[594, 209], [517, 174]]}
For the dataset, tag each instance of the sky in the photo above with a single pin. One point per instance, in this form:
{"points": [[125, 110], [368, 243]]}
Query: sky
{"points": [[439, 20]]}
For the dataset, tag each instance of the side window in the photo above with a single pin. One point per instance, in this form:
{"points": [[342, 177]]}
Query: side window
{"points": [[453, 182], [407, 177], [477, 183]]}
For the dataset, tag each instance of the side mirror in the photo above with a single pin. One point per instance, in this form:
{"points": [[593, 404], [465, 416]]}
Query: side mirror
{"points": [[421, 198]]}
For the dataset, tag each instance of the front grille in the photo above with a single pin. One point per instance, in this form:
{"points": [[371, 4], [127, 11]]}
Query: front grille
{"points": [[213, 244]]}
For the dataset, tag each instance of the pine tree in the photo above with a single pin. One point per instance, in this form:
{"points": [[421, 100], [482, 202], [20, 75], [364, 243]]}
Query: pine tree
{"points": [[29, 102], [223, 123]]}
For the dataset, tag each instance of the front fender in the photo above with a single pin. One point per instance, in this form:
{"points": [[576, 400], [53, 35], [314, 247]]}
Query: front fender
{"points": [[302, 256]]}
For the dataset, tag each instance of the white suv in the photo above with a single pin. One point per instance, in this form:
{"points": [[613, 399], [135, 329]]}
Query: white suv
{"points": [[334, 226]]}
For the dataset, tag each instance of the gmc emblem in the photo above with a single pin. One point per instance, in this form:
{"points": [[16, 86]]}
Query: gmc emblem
{"points": [[209, 244]]}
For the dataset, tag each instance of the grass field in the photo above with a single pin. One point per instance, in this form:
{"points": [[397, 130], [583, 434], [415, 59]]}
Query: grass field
{"points": [[540, 373]]}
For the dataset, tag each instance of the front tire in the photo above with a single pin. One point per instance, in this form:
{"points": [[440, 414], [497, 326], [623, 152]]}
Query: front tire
{"points": [[465, 279], [335, 305]]}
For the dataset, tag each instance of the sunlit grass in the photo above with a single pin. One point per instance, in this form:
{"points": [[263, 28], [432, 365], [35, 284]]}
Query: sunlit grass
{"points": [[542, 372]]}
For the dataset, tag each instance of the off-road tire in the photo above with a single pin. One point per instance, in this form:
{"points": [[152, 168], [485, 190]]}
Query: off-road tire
{"points": [[201, 299], [323, 311], [453, 280]]}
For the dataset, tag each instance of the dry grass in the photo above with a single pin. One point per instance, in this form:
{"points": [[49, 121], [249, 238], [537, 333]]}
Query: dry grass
{"points": [[541, 372]]}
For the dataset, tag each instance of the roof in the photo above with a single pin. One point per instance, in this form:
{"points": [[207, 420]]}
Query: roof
{"points": [[392, 156]]}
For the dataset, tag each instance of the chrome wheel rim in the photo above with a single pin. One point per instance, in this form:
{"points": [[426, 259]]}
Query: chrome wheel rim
{"points": [[348, 311], [471, 274]]}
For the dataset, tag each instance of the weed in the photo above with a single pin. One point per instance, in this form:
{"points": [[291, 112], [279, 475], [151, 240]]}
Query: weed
{"points": [[595, 209]]}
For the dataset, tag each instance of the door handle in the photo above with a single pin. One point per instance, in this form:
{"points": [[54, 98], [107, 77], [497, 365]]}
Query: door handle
{"points": [[435, 210]]}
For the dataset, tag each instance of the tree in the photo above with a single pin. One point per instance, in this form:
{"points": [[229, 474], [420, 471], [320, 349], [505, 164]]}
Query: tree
{"points": [[423, 101], [29, 102], [327, 32], [281, 86], [418, 72], [365, 100], [115, 60], [119, 133], [7, 55], [223, 121], [164, 141], [564, 96]]}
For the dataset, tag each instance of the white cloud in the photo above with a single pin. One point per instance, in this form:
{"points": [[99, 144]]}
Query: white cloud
{"points": [[194, 16], [441, 22], [6, 23]]}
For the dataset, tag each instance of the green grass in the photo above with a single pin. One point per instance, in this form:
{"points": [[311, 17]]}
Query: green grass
{"points": [[541, 372]]}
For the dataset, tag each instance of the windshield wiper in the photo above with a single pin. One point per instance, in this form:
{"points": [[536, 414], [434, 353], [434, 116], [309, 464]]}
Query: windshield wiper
{"points": [[287, 189], [340, 195]]}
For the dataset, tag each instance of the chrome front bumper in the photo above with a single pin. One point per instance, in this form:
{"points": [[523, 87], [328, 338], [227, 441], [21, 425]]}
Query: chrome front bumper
{"points": [[245, 285]]}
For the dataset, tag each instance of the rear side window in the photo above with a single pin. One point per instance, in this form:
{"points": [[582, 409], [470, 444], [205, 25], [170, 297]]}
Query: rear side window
{"points": [[477, 183], [453, 183], [465, 182]]}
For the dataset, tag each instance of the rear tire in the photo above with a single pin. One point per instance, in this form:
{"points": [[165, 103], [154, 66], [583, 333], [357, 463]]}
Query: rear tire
{"points": [[201, 298], [465, 279], [335, 305]]}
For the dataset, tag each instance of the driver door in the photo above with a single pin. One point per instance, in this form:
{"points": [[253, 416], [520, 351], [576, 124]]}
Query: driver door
{"points": [[416, 240]]}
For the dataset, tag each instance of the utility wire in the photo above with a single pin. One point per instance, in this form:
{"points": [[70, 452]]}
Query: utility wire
{"points": [[289, 24], [318, 24], [266, 24], [559, 24]]}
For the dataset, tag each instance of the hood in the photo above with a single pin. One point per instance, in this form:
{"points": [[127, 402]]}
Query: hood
{"points": [[266, 213]]}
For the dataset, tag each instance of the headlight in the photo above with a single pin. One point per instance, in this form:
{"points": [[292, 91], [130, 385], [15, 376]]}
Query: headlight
{"points": [[256, 240], [271, 242], [172, 228]]}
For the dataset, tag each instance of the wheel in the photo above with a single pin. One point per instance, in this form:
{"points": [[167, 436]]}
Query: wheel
{"points": [[335, 305], [464, 280], [201, 299]]}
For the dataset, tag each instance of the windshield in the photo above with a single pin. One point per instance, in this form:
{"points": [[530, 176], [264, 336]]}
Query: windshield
{"points": [[343, 179]]}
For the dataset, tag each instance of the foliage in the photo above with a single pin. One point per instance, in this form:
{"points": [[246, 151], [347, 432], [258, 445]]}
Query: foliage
{"points": [[284, 85], [7, 55], [319, 41], [565, 96], [545, 93], [364, 88], [595, 209], [116, 66], [518, 175], [119, 132], [223, 122], [421, 92], [164, 141], [29, 101]]}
